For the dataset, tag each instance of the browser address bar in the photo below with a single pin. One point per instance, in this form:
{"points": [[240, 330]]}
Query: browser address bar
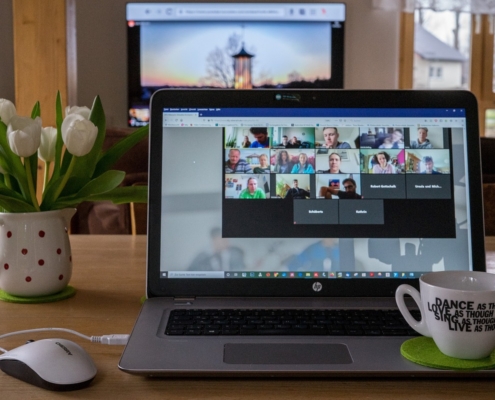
{"points": [[232, 12]]}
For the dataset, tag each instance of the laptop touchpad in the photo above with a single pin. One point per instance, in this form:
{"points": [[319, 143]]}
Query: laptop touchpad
{"points": [[288, 353]]}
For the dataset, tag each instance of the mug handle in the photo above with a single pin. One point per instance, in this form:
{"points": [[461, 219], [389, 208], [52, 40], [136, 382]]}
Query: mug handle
{"points": [[418, 326]]}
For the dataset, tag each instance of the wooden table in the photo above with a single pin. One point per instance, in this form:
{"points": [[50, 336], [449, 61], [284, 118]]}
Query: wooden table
{"points": [[109, 274]]}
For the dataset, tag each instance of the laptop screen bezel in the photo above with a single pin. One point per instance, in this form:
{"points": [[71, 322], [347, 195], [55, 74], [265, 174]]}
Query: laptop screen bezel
{"points": [[157, 287]]}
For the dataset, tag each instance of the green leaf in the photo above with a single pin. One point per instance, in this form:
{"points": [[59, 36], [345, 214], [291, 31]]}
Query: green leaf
{"points": [[59, 144], [5, 191], [112, 155], [119, 195], [72, 186], [13, 204], [36, 110], [104, 183]]}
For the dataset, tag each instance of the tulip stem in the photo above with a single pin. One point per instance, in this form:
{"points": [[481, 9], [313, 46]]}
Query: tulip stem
{"points": [[46, 175], [32, 192], [65, 178]]}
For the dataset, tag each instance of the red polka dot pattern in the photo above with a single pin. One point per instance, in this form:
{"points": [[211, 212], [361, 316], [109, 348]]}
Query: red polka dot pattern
{"points": [[41, 262], [24, 251], [9, 234], [60, 277], [41, 233], [28, 279], [59, 251], [6, 266]]}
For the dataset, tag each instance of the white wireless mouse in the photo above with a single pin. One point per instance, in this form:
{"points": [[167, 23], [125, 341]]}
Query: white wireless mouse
{"points": [[54, 364]]}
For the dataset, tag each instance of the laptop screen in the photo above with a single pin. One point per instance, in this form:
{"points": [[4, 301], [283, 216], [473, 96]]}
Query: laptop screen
{"points": [[264, 193]]}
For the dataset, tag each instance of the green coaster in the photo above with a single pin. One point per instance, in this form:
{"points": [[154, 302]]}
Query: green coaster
{"points": [[423, 350], [69, 291]]}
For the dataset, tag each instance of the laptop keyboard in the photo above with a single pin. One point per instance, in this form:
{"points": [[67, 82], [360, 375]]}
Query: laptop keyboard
{"points": [[319, 322]]}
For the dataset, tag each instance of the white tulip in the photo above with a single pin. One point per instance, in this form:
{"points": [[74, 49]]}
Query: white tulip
{"points": [[47, 147], [7, 110], [79, 134], [82, 111], [24, 135]]}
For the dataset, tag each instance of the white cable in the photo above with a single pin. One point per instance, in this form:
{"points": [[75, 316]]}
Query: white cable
{"points": [[105, 339]]}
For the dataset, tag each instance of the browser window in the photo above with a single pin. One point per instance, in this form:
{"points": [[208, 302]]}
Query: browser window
{"points": [[326, 188]]}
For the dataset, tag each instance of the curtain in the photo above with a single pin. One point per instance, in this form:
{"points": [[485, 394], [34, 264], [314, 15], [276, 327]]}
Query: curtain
{"points": [[470, 6]]}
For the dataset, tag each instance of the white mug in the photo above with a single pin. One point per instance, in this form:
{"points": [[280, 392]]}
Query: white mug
{"points": [[457, 311]]}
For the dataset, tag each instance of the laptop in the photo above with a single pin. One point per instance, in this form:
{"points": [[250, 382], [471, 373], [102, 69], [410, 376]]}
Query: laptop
{"points": [[279, 220]]}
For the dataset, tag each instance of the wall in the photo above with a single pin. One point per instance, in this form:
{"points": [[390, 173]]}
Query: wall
{"points": [[371, 52], [7, 90]]}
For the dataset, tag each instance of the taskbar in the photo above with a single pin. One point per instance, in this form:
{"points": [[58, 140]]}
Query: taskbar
{"points": [[289, 275]]}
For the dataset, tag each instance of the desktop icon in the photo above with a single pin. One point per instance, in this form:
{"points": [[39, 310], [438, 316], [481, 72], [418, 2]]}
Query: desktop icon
{"points": [[331, 274], [275, 274]]}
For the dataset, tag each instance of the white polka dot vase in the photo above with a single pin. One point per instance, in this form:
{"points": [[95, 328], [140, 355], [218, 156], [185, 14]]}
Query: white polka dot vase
{"points": [[35, 254]]}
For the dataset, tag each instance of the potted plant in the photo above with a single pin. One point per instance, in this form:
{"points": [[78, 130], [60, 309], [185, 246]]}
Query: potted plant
{"points": [[35, 255]]}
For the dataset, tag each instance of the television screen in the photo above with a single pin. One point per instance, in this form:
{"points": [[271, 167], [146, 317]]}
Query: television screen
{"points": [[231, 45]]}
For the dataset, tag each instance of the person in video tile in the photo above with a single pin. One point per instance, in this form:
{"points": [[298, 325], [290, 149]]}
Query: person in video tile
{"points": [[422, 142], [428, 163], [295, 192], [334, 161], [261, 135], [235, 164], [284, 164], [394, 140], [331, 137], [264, 167], [381, 164], [350, 191], [245, 143], [293, 143], [252, 191], [303, 166]]}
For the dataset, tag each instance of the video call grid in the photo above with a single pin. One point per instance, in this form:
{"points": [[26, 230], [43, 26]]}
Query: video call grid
{"points": [[335, 157]]}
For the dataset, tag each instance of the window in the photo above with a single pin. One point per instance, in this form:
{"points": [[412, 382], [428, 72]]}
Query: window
{"points": [[460, 56], [442, 45]]}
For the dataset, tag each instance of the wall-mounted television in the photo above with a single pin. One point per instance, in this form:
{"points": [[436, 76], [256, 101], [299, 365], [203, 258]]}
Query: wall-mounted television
{"points": [[231, 45]]}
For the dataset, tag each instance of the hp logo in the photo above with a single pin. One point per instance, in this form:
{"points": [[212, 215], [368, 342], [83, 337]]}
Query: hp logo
{"points": [[317, 286]]}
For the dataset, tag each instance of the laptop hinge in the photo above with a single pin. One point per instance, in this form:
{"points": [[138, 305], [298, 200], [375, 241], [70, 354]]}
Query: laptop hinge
{"points": [[184, 301]]}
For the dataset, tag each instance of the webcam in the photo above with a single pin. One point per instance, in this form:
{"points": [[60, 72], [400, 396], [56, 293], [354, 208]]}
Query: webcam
{"points": [[288, 97]]}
